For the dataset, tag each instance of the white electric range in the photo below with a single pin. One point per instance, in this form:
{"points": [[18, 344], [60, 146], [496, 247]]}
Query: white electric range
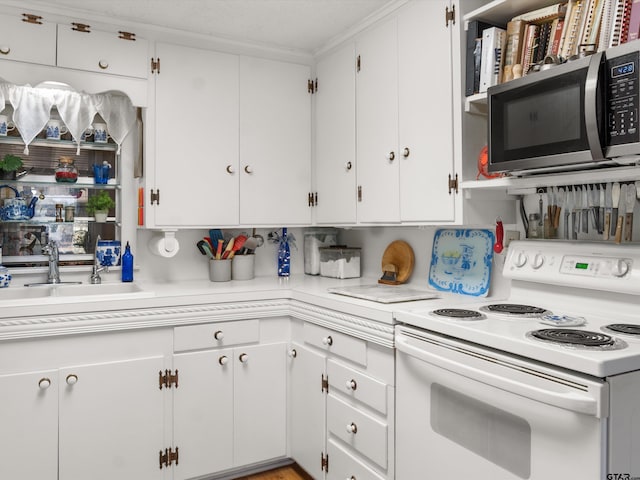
{"points": [[543, 384]]}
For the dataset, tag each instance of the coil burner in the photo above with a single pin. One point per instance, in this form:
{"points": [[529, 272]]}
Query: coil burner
{"points": [[577, 338], [458, 314], [625, 328], [514, 310]]}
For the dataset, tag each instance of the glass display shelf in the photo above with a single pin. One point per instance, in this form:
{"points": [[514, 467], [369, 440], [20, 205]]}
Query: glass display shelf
{"points": [[49, 180], [67, 144]]}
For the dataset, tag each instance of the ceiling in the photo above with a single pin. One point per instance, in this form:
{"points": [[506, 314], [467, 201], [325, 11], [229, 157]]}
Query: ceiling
{"points": [[303, 25]]}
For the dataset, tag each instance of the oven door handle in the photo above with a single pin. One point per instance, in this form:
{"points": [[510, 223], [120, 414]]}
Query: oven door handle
{"points": [[572, 401], [591, 91]]}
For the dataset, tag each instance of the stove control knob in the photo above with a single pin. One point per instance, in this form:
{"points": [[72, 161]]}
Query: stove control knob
{"points": [[620, 268], [538, 261], [519, 259]]}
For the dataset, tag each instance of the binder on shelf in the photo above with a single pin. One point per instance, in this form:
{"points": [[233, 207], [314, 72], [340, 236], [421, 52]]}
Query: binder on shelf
{"points": [[556, 36], [493, 44], [616, 28], [543, 14], [626, 18], [530, 47], [474, 36], [606, 24], [571, 41], [634, 21], [592, 23]]}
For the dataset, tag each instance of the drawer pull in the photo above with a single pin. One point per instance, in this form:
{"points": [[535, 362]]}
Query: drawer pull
{"points": [[219, 335], [72, 379], [352, 428], [4, 50], [351, 384], [223, 360], [352, 477], [293, 353], [243, 357], [44, 383], [327, 340], [103, 64]]}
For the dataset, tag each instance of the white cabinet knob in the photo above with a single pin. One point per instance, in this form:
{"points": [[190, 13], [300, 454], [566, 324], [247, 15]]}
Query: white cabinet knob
{"points": [[230, 169], [348, 166], [223, 360], [327, 340], [351, 384], [218, 335], [44, 383], [248, 169], [406, 152], [243, 357], [72, 379], [292, 353], [352, 428], [391, 156], [352, 477], [103, 64], [5, 49]]}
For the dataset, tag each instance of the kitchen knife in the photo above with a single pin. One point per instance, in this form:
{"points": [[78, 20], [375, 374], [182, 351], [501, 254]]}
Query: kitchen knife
{"points": [[574, 213], [601, 209], [558, 194], [607, 211], [568, 205], [630, 203], [584, 221], [621, 204], [615, 197]]}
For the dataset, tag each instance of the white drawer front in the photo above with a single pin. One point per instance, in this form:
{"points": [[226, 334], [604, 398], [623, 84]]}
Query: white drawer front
{"points": [[27, 42], [363, 432], [102, 52], [354, 349], [343, 466], [358, 386], [214, 335]]}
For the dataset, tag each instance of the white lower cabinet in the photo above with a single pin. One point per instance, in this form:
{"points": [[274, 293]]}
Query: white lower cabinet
{"points": [[341, 404], [102, 419], [230, 406]]}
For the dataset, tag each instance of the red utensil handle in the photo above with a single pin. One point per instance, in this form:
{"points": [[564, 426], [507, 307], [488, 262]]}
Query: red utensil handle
{"points": [[499, 245]]}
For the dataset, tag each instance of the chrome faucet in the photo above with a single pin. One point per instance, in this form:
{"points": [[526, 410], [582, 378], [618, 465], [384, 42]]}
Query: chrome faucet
{"points": [[95, 273], [51, 249]]}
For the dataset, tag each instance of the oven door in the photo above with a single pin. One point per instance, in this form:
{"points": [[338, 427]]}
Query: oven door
{"points": [[548, 120], [463, 411]]}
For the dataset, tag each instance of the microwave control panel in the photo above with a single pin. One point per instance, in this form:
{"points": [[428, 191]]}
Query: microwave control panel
{"points": [[622, 101]]}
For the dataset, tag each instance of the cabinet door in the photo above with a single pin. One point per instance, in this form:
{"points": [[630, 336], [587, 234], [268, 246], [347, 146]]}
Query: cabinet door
{"points": [[425, 113], [275, 142], [377, 124], [203, 412], [29, 419], [196, 137], [335, 168], [102, 52], [307, 413], [111, 420], [260, 419], [26, 41]]}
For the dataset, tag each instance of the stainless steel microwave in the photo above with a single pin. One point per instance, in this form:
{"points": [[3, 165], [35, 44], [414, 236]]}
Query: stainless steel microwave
{"points": [[578, 115]]}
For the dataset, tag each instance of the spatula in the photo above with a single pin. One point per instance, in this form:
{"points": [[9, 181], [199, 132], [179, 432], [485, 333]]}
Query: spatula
{"points": [[237, 244], [250, 245]]}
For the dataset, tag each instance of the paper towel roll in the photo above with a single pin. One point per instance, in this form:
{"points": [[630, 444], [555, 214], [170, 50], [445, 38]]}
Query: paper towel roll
{"points": [[164, 244]]}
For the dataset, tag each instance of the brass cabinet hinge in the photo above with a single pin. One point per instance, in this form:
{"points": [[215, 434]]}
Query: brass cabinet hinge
{"points": [[30, 18], [449, 15], [312, 86], [167, 379], [127, 35], [155, 197], [359, 193], [168, 457], [324, 462], [325, 384], [155, 65], [312, 199], [81, 27], [358, 64], [453, 183]]}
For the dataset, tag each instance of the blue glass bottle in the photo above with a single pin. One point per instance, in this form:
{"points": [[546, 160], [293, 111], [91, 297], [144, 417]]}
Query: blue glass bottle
{"points": [[284, 255], [127, 264]]}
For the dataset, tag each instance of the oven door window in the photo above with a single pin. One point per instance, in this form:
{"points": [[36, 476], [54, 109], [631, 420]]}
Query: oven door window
{"points": [[500, 437], [538, 120]]}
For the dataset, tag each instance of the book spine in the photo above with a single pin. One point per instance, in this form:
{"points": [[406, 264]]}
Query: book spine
{"points": [[513, 48], [493, 42], [626, 18], [571, 44], [634, 21], [616, 28], [554, 47], [528, 50], [542, 14], [605, 25]]}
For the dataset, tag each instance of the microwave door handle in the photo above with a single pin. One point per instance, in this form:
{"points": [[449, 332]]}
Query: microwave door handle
{"points": [[590, 105]]}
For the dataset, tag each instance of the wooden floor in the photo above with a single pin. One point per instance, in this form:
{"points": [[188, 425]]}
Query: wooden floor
{"points": [[291, 472]]}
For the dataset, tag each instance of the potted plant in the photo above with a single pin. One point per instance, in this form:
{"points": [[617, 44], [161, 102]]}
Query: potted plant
{"points": [[99, 205], [8, 166]]}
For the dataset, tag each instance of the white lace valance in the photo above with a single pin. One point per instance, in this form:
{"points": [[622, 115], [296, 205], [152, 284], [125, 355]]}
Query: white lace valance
{"points": [[32, 109]]}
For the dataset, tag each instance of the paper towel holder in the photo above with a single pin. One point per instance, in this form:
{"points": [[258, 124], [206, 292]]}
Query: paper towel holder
{"points": [[166, 240]]}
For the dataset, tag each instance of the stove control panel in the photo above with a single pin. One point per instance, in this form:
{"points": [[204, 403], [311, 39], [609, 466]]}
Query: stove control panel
{"points": [[613, 268]]}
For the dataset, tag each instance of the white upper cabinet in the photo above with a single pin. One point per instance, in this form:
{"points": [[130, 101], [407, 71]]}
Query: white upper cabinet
{"points": [[119, 53], [377, 124], [196, 139], [335, 147], [27, 38], [405, 140], [275, 142], [425, 94]]}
